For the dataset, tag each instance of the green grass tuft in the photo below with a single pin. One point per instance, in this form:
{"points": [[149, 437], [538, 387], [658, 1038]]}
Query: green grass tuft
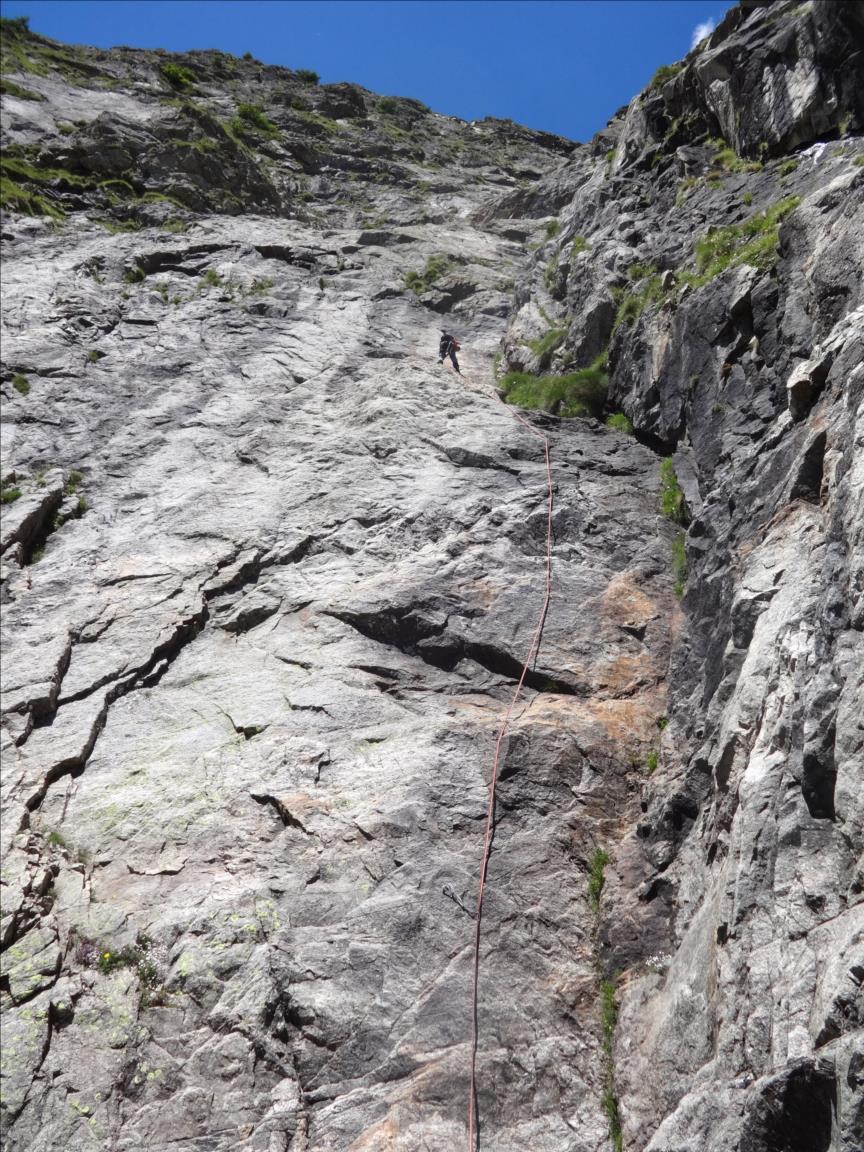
{"points": [[753, 242], [596, 877], [15, 197], [578, 244], [436, 267], [671, 496], [10, 495], [609, 1100], [546, 345], [620, 422], [728, 159], [552, 228], [307, 75], [251, 116], [10, 88], [664, 72], [679, 564], [635, 300], [651, 762], [180, 78], [581, 393]]}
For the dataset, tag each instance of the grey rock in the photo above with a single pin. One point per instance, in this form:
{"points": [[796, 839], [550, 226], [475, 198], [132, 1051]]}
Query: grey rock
{"points": [[256, 655]]}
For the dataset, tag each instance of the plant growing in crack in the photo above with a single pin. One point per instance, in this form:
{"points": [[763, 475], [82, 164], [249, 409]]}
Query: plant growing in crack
{"points": [[608, 1002], [596, 877], [148, 960]]}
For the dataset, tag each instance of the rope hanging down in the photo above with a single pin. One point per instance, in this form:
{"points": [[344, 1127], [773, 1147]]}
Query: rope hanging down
{"points": [[490, 811]]}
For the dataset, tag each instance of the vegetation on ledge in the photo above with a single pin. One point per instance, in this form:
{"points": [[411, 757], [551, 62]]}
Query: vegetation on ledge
{"points": [[580, 393]]}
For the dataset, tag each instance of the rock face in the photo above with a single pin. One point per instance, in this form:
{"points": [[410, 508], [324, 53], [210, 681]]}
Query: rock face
{"points": [[270, 574]]}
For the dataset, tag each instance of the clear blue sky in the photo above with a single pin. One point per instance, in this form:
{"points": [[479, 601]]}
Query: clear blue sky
{"points": [[561, 65]]}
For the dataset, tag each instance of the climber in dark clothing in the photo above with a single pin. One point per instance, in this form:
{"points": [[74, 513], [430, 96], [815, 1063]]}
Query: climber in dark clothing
{"points": [[448, 346]]}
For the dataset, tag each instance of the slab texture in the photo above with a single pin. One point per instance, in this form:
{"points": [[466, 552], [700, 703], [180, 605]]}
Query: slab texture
{"points": [[272, 572]]}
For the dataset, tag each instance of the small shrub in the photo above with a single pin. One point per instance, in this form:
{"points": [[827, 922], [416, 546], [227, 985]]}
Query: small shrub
{"points": [[387, 105], [552, 228], [179, 77], [596, 877], [662, 722], [65, 129], [21, 384], [679, 564], [609, 156], [671, 496], [651, 762], [620, 422], [664, 72], [307, 75]]}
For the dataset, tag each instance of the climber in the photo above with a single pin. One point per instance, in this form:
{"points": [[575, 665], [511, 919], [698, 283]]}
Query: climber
{"points": [[448, 346]]}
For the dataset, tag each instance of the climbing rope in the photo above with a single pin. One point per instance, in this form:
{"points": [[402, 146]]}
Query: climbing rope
{"points": [[473, 1140]]}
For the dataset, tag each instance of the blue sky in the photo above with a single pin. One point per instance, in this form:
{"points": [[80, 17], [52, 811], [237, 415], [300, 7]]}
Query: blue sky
{"points": [[561, 65]]}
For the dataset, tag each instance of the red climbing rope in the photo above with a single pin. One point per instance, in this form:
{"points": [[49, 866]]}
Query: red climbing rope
{"points": [[490, 811]]}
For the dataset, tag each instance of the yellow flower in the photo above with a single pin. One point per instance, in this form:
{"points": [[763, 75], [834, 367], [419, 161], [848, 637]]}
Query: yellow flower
{"points": [[106, 955]]}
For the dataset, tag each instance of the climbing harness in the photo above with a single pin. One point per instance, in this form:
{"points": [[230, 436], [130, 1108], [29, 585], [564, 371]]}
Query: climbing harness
{"points": [[490, 811]]}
